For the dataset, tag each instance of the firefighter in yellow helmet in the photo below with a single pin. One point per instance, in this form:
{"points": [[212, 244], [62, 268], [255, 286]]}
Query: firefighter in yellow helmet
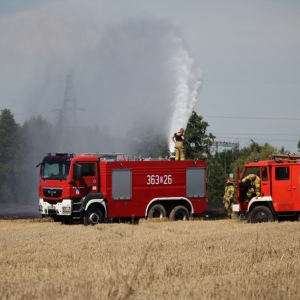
{"points": [[252, 181], [228, 197], [178, 139]]}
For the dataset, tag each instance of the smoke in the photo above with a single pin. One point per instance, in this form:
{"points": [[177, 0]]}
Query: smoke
{"points": [[128, 77], [103, 85]]}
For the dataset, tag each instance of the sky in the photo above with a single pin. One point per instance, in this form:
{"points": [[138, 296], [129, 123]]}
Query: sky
{"points": [[145, 65]]}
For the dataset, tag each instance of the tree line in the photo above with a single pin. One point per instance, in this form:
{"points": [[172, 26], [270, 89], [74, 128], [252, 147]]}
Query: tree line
{"points": [[22, 147]]}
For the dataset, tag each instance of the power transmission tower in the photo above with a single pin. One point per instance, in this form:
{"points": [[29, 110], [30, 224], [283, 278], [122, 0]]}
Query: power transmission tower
{"points": [[70, 108], [233, 146], [218, 144], [67, 117]]}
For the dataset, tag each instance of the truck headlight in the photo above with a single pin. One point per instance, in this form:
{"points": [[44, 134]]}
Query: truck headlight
{"points": [[66, 208]]}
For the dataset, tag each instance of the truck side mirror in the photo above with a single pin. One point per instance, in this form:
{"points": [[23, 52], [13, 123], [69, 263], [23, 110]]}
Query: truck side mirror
{"points": [[77, 171]]}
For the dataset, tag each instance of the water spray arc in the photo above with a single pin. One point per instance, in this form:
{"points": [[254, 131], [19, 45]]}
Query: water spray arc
{"points": [[188, 82]]}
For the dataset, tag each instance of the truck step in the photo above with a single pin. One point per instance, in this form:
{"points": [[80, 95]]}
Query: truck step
{"points": [[286, 215]]}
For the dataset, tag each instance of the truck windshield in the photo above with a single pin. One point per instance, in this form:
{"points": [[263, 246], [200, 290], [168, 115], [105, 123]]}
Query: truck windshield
{"points": [[252, 170], [55, 168]]}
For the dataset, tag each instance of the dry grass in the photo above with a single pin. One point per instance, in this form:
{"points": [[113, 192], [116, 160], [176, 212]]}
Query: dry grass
{"points": [[225, 259]]}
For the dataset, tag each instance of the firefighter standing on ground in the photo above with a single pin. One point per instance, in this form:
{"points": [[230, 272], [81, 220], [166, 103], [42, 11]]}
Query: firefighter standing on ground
{"points": [[253, 182], [178, 139], [228, 197]]}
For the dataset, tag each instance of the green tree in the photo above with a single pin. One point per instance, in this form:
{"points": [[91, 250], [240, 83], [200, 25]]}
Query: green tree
{"points": [[226, 158], [197, 142], [11, 142], [248, 154], [39, 139], [216, 181]]}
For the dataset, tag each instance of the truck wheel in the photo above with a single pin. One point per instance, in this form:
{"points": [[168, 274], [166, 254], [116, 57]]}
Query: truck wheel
{"points": [[157, 211], [179, 213], [261, 214], [93, 216]]}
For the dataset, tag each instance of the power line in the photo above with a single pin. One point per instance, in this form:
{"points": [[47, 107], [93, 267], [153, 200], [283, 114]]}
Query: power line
{"points": [[20, 79], [33, 79], [225, 144], [256, 118], [252, 134], [261, 139], [249, 81], [39, 113]]}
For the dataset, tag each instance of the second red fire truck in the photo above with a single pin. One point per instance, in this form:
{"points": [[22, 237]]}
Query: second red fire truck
{"points": [[95, 188], [279, 189]]}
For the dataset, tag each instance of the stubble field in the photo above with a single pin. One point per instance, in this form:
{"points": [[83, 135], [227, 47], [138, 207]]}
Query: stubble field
{"points": [[222, 259]]}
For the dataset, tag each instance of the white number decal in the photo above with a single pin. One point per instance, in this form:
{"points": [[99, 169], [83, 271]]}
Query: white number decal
{"points": [[156, 179], [159, 179]]}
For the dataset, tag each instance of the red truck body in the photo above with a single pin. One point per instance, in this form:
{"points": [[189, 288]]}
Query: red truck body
{"points": [[95, 188], [279, 189]]}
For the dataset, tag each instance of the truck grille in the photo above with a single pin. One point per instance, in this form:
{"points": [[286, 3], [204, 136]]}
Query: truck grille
{"points": [[52, 192]]}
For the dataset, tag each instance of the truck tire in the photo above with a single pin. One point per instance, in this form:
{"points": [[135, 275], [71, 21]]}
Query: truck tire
{"points": [[157, 211], [93, 216], [179, 213], [261, 214]]}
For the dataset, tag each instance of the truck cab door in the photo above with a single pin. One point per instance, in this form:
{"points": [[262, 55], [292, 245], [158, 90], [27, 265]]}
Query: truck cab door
{"points": [[239, 193], [296, 186], [265, 186], [282, 189], [88, 183]]}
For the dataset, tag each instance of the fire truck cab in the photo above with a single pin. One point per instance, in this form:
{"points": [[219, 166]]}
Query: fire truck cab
{"points": [[279, 189]]}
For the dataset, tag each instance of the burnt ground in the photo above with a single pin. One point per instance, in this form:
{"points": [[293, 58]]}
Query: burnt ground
{"points": [[214, 211], [17, 211]]}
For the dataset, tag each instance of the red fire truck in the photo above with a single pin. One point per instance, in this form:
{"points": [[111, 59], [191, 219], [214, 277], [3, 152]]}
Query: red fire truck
{"points": [[279, 189], [95, 188]]}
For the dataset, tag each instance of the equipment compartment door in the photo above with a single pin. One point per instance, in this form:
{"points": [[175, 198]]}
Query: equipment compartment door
{"points": [[122, 191], [195, 182], [196, 188]]}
